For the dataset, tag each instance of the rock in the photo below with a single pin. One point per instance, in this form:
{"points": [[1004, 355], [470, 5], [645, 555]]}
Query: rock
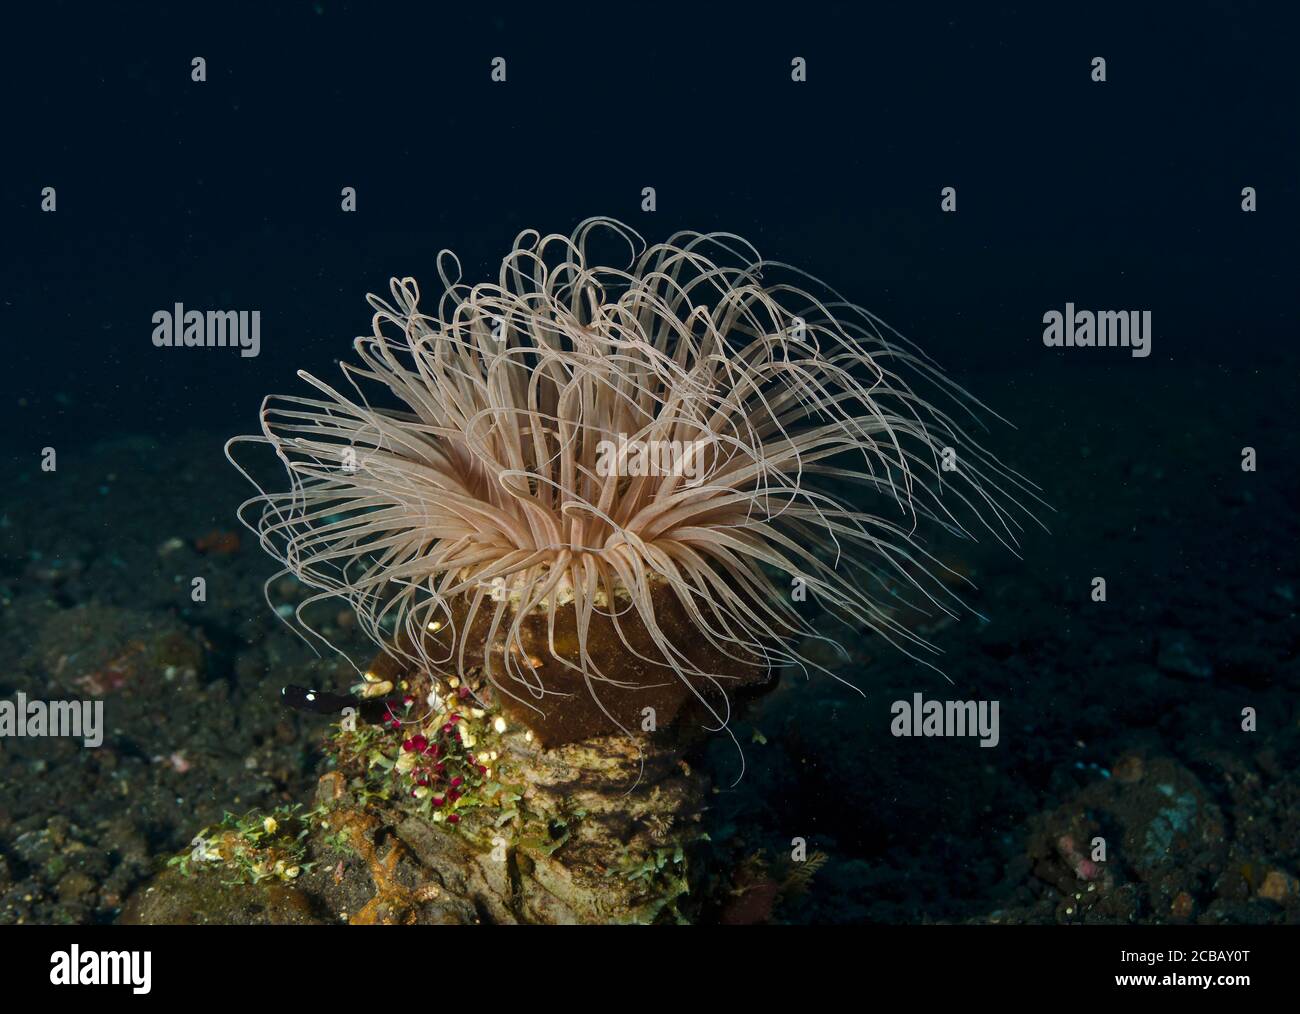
{"points": [[1164, 839], [1178, 653], [174, 899], [75, 885], [1279, 887], [96, 651], [599, 831], [1129, 768]]}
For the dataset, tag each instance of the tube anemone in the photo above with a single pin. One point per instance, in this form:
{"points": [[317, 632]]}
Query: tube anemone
{"points": [[586, 488]]}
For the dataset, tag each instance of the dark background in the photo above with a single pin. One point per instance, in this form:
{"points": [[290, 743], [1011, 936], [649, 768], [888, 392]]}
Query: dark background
{"points": [[226, 193]]}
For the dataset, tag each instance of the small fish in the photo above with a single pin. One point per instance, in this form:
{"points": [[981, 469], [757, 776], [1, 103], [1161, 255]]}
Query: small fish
{"points": [[318, 702]]}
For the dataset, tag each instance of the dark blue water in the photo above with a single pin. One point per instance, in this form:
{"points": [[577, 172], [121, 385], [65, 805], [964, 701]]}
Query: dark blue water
{"points": [[1121, 194]]}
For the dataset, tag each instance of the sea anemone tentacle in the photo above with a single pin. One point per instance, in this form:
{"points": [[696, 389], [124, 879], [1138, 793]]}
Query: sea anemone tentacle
{"points": [[508, 500]]}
